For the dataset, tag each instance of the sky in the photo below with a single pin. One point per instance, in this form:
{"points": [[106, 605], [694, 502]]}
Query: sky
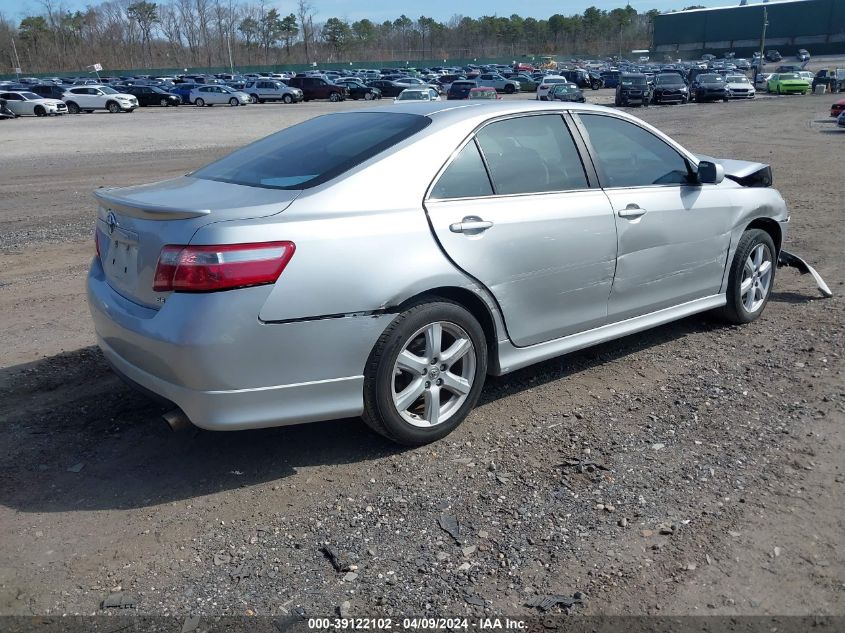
{"points": [[380, 10]]}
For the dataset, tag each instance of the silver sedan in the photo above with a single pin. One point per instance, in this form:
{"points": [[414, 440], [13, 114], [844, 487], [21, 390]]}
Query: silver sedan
{"points": [[273, 287]]}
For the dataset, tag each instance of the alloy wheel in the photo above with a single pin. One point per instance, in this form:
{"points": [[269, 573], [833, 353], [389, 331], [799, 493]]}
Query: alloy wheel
{"points": [[756, 278], [433, 374]]}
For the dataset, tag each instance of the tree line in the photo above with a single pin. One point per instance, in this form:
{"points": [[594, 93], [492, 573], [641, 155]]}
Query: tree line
{"points": [[137, 34]]}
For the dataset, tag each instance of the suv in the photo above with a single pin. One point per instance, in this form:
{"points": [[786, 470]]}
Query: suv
{"points": [[97, 97], [318, 88], [834, 79], [272, 90], [582, 78], [633, 87], [49, 91], [460, 89], [495, 80]]}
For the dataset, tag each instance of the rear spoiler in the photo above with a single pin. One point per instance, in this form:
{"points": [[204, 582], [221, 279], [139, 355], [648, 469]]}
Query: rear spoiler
{"points": [[145, 210]]}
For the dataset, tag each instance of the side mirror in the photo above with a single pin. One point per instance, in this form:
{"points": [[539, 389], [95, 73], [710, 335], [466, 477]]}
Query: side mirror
{"points": [[710, 173]]}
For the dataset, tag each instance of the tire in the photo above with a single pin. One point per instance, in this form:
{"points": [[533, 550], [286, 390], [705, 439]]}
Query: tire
{"points": [[72, 108], [778, 90], [724, 99], [617, 102], [39, 111], [113, 107], [383, 375], [287, 99], [368, 96], [233, 102], [594, 85], [334, 97], [199, 103], [645, 103], [164, 103], [754, 246], [509, 89], [253, 98]]}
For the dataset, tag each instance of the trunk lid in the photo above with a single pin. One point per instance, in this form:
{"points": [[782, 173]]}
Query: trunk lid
{"points": [[134, 223]]}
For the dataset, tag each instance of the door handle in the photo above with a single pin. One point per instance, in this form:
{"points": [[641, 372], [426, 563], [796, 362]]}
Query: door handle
{"points": [[471, 225], [632, 212]]}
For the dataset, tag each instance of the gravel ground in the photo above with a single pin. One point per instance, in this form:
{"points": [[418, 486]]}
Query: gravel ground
{"points": [[693, 469]]}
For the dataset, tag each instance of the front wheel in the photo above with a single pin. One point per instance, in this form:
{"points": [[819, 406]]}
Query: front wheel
{"points": [[113, 107], [425, 373], [233, 102], [509, 89], [368, 96], [751, 277], [287, 99], [40, 111], [334, 97]]}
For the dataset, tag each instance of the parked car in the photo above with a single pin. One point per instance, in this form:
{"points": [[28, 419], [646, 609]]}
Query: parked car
{"points": [[272, 90], [460, 89], [526, 82], [546, 84], [739, 87], [670, 88], [98, 97], [840, 121], [497, 82], [773, 55], [202, 283], [803, 55], [633, 88], [211, 94], [489, 94], [611, 78], [568, 92], [48, 91], [837, 108], [28, 103], [709, 87], [832, 78], [153, 96], [417, 94], [582, 78], [787, 83], [318, 88], [358, 89]]}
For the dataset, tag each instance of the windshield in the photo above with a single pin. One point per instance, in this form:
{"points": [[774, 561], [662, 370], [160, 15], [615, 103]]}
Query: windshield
{"points": [[29, 95], [633, 81], [789, 76], [108, 90], [555, 80], [737, 79], [563, 88], [671, 79], [414, 95], [711, 79], [227, 89], [313, 152]]}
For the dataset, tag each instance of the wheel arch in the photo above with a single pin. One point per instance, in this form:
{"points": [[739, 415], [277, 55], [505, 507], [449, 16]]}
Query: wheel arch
{"points": [[474, 304], [771, 227]]}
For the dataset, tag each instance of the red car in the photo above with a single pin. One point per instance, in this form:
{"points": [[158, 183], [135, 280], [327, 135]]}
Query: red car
{"points": [[837, 108]]}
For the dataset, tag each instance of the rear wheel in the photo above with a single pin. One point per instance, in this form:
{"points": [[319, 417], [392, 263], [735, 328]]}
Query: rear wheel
{"points": [[72, 108], [751, 277], [164, 103], [39, 111], [113, 107], [199, 103], [425, 373]]}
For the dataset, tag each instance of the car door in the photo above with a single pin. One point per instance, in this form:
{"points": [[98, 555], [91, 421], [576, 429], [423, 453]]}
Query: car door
{"points": [[516, 210], [15, 103], [673, 233]]}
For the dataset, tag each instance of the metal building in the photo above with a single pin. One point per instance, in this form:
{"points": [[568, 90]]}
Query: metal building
{"points": [[817, 25]]}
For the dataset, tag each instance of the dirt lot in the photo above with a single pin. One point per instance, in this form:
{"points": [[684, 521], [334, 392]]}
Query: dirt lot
{"points": [[719, 478]]}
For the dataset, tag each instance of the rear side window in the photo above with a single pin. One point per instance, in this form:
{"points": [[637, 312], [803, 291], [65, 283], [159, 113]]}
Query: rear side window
{"points": [[315, 151], [532, 154], [629, 156], [465, 177]]}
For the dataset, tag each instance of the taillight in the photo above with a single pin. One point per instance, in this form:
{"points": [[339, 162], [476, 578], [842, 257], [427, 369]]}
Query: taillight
{"points": [[220, 267]]}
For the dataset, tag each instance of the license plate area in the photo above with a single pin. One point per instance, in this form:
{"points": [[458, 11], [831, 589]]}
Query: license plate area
{"points": [[122, 259]]}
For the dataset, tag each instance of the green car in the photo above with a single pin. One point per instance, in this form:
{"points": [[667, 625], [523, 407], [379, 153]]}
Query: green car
{"points": [[526, 84], [787, 83]]}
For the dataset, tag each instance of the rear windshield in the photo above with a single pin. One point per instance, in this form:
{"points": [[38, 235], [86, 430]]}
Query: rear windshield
{"points": [[315, 151]]}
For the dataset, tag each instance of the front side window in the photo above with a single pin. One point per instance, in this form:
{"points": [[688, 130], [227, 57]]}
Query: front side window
{"points": [[628, 156], [531, 154]]}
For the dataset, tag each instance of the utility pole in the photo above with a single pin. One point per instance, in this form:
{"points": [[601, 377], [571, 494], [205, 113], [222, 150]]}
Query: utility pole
{"points": [[229, 45], [763, 37], [17, 59]]}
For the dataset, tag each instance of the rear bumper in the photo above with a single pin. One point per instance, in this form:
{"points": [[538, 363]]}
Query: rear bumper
{"points": [[211, 356]]}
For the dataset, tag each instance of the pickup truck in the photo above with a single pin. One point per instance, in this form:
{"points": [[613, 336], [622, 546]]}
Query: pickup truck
{"points": [[834, 79], [491, 80], [272, 90]]}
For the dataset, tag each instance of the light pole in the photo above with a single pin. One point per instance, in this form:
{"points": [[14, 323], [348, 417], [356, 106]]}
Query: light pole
{"points": [[763, 37], [229, 45]]}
